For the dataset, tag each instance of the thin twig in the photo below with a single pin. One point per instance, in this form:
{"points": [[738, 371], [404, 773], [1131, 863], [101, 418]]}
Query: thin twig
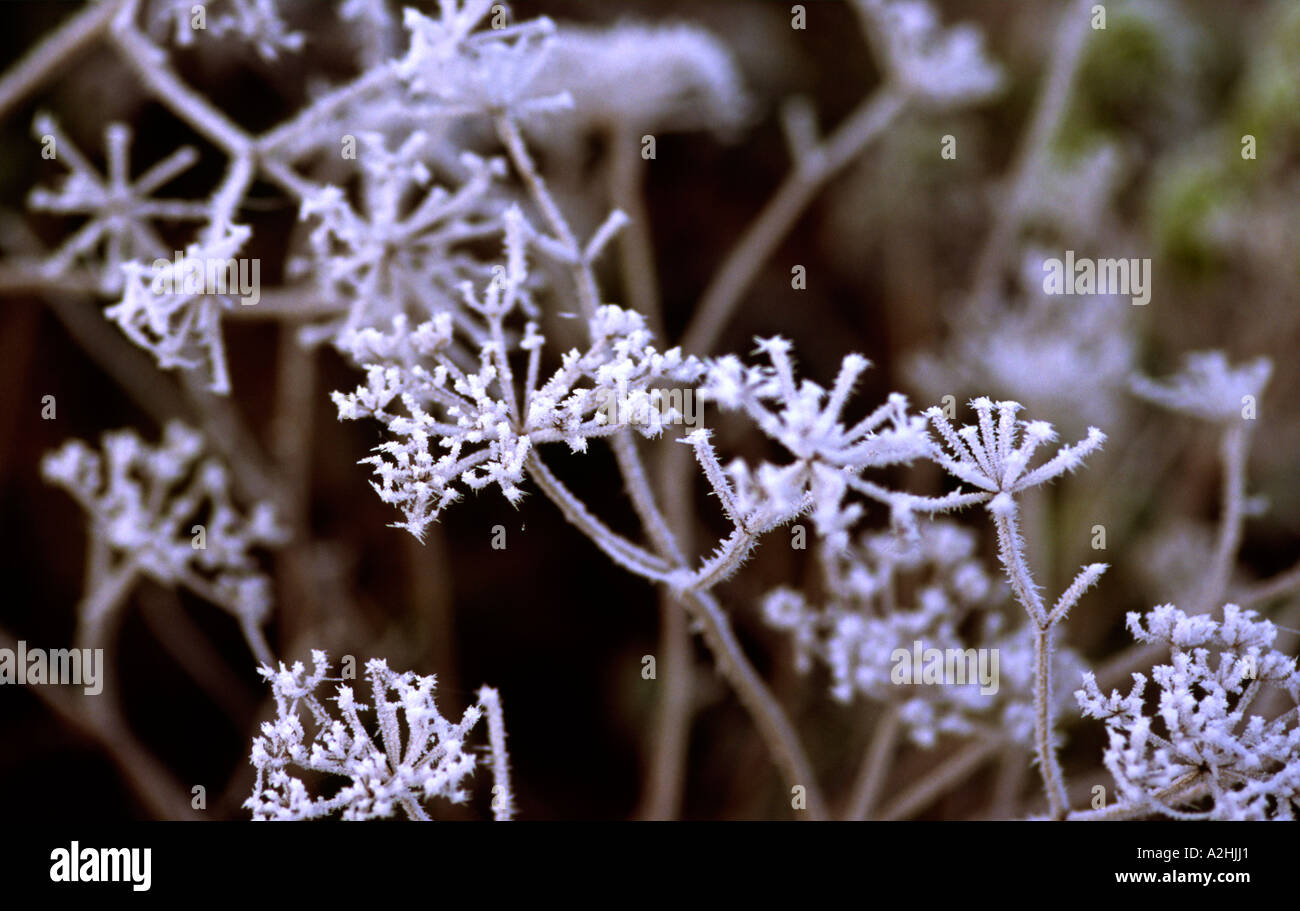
{"points": [[635, 243], [875, 766], [781, 212], [1035, 146], [1010, 553], [1233, 451], [1179, 792], [56, 50], [946, 775], [1044, 726], [665, 779], [1284, 583], [149, 62]]}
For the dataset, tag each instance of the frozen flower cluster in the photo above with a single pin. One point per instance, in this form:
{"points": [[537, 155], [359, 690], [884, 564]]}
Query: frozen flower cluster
{"points": [[806, 419], [475, 426], [461, 70], [394, 257], [166, 511], [257, 22], [172, 308], [1194, 740], [120, 211], [1209, 387], [940, 66], [994, 455], [410, 754], [885, 594]]}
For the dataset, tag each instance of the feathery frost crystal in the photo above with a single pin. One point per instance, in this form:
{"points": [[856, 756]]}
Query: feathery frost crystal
{"points": [[475, 425], [1200, 741], [413, 754], [152, 506]]}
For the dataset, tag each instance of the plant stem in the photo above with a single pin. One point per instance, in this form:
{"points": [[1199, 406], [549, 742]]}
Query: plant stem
{"points": [[951, 771], [1067, 54], [1011, 554], [149, 62], [875, 766], [635, 244], [670, 738], [777, 731], [1233, 449], [59, 49], [1048, 764], [779, 215]]}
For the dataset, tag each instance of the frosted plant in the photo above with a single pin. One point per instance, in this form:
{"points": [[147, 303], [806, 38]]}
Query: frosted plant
{"points": [[386, 261], [475, 426], [861, 622], [173, 308], [1036, 348], [1209, 387], [415, 754], [806, 420], [885, 594], [994, 460], [1199, 742], [467, 391], [940, 66], [463, 71], [255, 21], [120, 209], [165, 512], [992, 457], [697, 85], [454, 67]]}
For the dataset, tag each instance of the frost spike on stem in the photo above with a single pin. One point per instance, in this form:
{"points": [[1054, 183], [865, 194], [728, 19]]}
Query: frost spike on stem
{"points": [[503, 804]]}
